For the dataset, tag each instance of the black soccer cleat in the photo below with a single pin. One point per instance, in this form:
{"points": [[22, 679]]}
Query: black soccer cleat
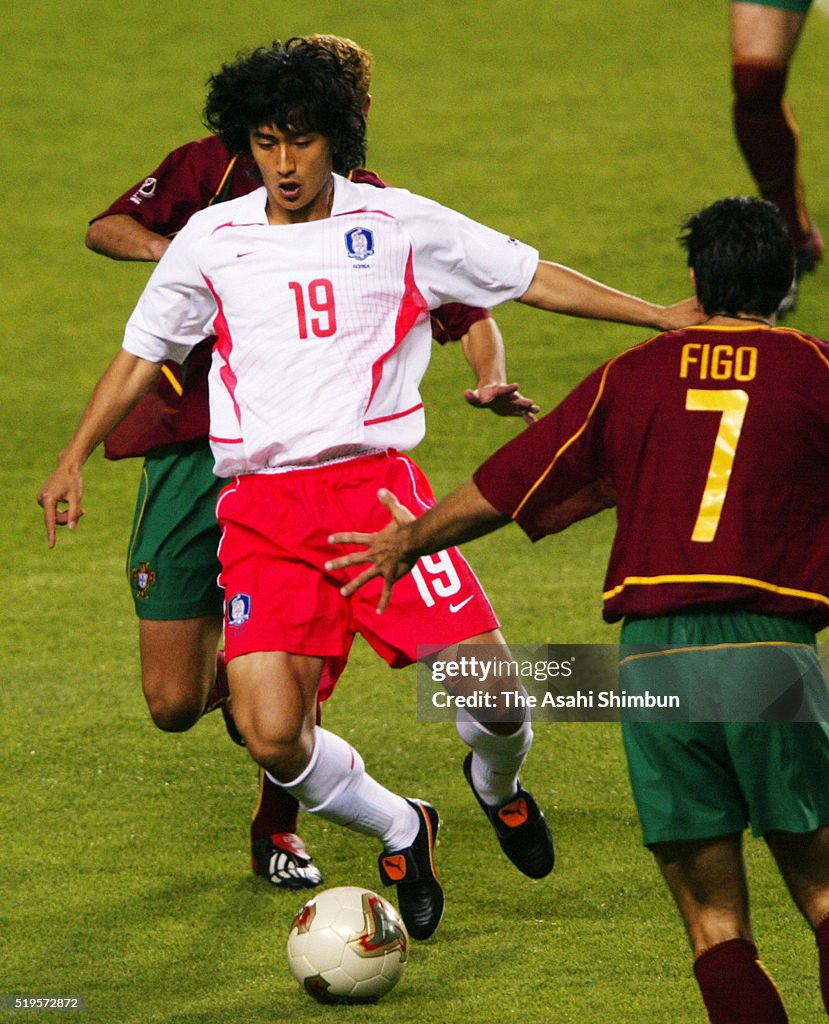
{"points": [[284, 861], [413, 871], [521, 828]]}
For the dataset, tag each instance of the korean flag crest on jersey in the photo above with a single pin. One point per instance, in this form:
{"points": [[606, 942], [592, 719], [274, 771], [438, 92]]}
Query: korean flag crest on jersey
{"points": [[238, 609], [359, 243]]}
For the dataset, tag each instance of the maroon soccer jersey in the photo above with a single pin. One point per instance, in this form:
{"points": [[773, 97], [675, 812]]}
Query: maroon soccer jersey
{"points": [[713, 444], [189, 179]]}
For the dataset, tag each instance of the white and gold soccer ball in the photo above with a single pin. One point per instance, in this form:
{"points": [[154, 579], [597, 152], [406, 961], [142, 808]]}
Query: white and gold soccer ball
{"points": [[348, 945]]}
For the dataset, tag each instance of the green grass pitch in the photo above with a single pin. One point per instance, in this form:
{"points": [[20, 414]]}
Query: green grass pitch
{"points": [[586, 128]]}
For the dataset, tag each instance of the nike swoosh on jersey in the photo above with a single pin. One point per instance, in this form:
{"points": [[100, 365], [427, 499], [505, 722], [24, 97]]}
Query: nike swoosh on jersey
{"points": [[457, 607]]}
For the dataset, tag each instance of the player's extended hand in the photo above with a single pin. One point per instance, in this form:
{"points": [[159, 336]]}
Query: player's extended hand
{"points": [[384, 551], [63, 488], [503, 400]]}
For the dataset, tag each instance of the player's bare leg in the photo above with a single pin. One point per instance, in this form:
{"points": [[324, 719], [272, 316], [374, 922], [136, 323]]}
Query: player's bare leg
{"points": [[183, 678], [760, 32], [499, 745], [178, 668], [804, 864], [803, 860], [275, 704], [708, 882]]}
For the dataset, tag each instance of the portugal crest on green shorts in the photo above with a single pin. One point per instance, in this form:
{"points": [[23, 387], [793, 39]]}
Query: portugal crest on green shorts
{"points": [[143, 578]]}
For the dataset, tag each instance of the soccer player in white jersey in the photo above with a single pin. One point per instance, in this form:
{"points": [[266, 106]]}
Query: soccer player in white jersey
{"points": [[318, 290]]}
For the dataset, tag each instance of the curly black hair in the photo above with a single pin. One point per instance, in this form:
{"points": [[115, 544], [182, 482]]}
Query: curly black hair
{"points": [[298, 86], [741, 254]]}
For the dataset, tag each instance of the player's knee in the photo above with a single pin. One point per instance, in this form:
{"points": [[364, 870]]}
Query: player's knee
{"points": [[757, 88], [268, 753], [284, 759], [282, 745], [174, 712]]}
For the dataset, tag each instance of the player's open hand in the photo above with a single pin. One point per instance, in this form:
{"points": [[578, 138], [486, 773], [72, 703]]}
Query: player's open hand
{"points": [[503, 400], [385, 551], [60, 498]]}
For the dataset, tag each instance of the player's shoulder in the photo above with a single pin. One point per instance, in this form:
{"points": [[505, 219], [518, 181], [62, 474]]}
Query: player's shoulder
{"points": [[209, 150], [192, 161], [639, 364], [809, 344], [654, 347], [364, 194]]}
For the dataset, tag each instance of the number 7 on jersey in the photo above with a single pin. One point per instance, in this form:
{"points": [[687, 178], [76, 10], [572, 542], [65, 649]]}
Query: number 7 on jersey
{"points": [[732, 406]]}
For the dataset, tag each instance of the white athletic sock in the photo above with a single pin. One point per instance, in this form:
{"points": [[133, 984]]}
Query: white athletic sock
{"points": [[496, 760], [336, 786]]}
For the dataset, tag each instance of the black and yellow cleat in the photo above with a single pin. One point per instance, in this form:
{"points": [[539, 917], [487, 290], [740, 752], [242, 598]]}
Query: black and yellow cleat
{"points": [[412, 870], [521, 828]]}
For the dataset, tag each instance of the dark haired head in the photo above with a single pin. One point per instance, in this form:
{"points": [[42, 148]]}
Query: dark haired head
{"points": [[299, 87], [741, 255]]}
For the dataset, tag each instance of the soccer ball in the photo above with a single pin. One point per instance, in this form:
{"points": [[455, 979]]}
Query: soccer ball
{"points": [[348, 945]]}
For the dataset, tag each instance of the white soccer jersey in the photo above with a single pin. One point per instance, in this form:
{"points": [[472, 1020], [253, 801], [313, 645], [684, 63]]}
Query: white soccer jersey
{"points": [[323, 327]]}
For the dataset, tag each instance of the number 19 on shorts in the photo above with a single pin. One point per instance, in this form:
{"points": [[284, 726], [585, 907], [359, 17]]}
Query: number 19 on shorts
{"points": [[435, 576]]}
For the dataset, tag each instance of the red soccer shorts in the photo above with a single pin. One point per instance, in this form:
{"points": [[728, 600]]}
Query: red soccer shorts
{"points": [[278, 595]]}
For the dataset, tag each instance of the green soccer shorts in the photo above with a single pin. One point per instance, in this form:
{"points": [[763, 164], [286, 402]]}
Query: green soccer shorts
{"points": [[172, 565], [702, 779], [797, 6]]}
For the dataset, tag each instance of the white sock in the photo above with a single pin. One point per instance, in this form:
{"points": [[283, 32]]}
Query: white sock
{"points": [[496, 760], [336, 786]]}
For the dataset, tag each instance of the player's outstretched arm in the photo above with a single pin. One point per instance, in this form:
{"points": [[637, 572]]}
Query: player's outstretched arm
{"points": [[123, 382], [463, 515], [122, 238], [483, 347], [561, 290]]}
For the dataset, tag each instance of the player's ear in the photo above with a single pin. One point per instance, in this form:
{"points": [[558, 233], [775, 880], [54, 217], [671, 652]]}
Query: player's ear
{"points": [[367, 105]]}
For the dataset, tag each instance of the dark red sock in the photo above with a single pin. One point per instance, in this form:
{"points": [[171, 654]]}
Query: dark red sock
{"points": [[275, 812], [822, 936], [735, 986], [768, 136]]}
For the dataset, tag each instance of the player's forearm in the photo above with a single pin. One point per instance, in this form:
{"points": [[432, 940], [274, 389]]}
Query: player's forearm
{"points": [[122, 238], [120, 387], [460, 517], [483, 347], [561, 290]]}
